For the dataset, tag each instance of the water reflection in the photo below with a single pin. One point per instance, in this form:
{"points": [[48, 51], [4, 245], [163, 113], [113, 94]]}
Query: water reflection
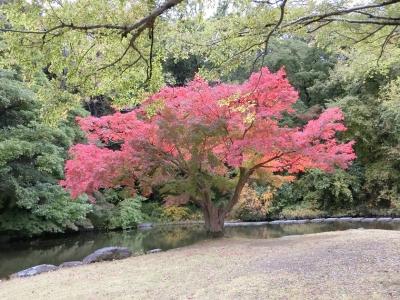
{"points": [[18, 256], [274, 231]]}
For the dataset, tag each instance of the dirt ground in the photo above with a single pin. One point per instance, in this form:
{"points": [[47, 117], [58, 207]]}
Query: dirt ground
{"points": [[352, 264]]}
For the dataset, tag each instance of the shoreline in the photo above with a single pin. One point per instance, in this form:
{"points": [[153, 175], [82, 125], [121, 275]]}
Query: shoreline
{"points": [[148, 225], [279, 222], [314, 266]]}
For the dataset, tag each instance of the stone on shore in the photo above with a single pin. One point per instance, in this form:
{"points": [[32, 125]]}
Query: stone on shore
{"points": [[34, 271], [276, 222], [145, 225], [302, 221], [107, 253], [319, 220], [328, 220], [368, 220], [384, 219], [154, 251], [70, 264]]}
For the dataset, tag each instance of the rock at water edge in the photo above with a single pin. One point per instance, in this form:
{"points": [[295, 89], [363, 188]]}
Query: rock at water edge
{"points": [[154, 251], [34, 271], [70, 264], [106, 254]]}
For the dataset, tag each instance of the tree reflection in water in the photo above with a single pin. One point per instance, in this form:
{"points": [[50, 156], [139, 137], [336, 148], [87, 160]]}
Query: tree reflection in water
{"points": [[20, 255]]}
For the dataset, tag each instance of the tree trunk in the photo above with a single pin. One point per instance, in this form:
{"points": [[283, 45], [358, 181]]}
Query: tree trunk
{"points": [[214, 216], [214, 220]]}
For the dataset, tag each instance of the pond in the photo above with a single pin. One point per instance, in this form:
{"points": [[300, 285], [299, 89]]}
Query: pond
{"points": [[17, 256]]}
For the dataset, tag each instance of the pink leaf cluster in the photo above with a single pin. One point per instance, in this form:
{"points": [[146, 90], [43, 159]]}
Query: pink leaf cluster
{"points": [[212, 127]]}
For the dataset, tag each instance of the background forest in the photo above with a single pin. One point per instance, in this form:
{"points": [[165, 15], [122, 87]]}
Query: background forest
{"points": [[56, 65]]}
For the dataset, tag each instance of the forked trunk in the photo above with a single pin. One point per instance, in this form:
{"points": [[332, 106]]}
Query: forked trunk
{"points": [[214, 220], [214, 216]]}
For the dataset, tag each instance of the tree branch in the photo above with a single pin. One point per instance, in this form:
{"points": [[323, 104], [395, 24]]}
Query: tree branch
{"points": [[393, 22], [136, 29], [318, 17], [387, 39], [147, 21], [259, 165], [369, 34], [266, 42]]}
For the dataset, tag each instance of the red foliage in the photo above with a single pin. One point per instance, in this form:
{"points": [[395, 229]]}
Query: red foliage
{"points": [[209, 128]]}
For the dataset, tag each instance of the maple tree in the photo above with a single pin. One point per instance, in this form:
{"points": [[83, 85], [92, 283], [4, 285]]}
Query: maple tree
{"points": [[203, 142]]}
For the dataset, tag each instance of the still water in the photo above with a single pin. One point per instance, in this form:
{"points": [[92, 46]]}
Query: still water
{"points": [[18, 256]]}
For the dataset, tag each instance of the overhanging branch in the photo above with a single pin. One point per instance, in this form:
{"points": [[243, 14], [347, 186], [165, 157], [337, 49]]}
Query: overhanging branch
{"points": [[134, 29], [306, 20]]}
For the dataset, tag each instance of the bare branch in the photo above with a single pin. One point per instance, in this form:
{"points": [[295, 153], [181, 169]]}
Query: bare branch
{"points": [[127, 66], [135, 29], [149, 19], [375, 16], [262, 164], [70, 26], [387, 39], [369, 34], [325, 23], [117, 60], [306, 20], [392, 22], [130, 45], [269, 35], [151, 35]]}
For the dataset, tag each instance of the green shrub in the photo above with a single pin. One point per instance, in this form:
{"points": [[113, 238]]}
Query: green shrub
{"points": [[321, 191], [127, 213], [303, 210], [152, 211], [254, 203], [382, 185], [175, 213], [56, 213], [116, 209]]}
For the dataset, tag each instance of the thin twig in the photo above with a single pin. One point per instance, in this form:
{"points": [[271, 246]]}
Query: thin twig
{"points": [[387, 39]]}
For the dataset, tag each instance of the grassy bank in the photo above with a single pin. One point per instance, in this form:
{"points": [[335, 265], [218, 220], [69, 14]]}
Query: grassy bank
{"points": [[347, 264]]}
